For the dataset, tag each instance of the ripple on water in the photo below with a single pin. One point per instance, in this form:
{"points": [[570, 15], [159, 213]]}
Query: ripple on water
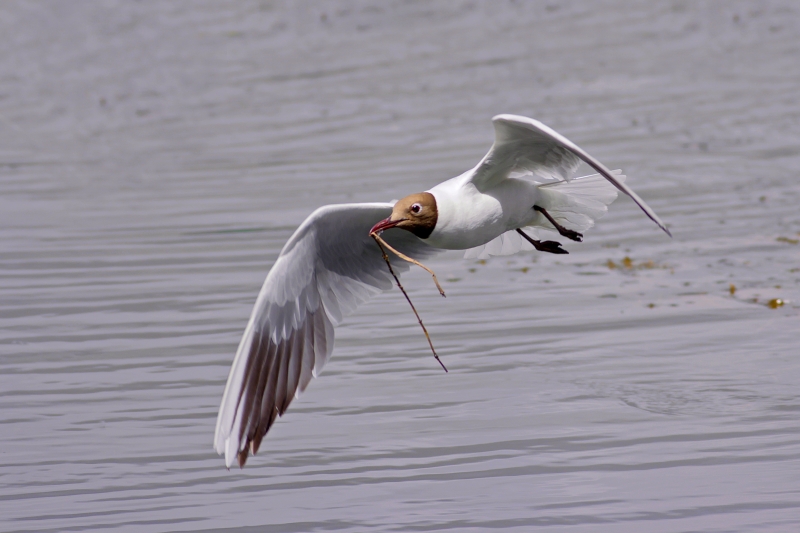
{"points": [[156, 157]]}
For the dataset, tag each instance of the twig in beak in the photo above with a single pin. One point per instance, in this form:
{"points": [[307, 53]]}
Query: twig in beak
{"points": [[381, 244]]}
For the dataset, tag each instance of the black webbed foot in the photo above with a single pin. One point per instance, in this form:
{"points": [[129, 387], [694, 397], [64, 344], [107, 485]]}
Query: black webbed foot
{"points": [[552, 247], [568, 233]]}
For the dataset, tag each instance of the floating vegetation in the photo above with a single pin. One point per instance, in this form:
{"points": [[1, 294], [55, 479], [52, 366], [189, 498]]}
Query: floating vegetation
{"points": [[524, 270], [775, 303], [788, 240], [628, 264]]}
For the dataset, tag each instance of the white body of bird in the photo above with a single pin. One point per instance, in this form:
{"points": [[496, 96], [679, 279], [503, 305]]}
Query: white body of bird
{"points": [[470, 218]]}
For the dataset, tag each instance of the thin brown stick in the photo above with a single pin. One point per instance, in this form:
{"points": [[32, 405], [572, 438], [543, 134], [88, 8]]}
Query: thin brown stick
{"points": [[381, 242]]}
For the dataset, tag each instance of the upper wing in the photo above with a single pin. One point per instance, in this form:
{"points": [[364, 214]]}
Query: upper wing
{"points": [[526, 145], [329, 266]]}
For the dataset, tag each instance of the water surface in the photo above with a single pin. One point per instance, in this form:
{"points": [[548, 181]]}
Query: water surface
{"points": [[154, 157]]}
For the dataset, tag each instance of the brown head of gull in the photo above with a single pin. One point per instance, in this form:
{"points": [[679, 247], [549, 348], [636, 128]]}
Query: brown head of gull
{"points": [[416, 213]]}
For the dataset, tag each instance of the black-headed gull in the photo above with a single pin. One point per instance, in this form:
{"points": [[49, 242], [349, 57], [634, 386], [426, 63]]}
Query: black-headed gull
{"points": [[331, 265]]}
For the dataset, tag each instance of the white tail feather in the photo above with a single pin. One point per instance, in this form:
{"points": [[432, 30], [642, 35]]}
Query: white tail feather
{"points": [[576, 204]]}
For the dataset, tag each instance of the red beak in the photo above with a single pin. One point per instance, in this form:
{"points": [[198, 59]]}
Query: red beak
{"points": [[384, 224]]}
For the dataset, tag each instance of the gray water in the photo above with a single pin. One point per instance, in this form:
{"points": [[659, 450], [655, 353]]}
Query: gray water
{"points": [[154, 157]]}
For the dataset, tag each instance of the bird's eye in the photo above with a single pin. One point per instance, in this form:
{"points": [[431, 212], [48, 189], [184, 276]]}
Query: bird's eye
{"points": [[416, 208]]}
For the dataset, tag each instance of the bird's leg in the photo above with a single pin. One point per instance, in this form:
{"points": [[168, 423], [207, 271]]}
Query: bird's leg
{"points": [[544, 246], [568, 233]]}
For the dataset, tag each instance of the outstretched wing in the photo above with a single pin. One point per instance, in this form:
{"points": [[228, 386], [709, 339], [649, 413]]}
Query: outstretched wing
{"points": [[329, 266], [524, 145]]}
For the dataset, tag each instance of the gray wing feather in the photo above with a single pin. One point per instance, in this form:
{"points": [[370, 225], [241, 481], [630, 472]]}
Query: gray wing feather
{"points": [[524, 145], [326, 269], [518, 149]]}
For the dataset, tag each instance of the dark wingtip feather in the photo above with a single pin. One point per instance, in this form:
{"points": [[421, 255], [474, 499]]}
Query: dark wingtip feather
{"points": [[255, 444], [242, 457]]}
